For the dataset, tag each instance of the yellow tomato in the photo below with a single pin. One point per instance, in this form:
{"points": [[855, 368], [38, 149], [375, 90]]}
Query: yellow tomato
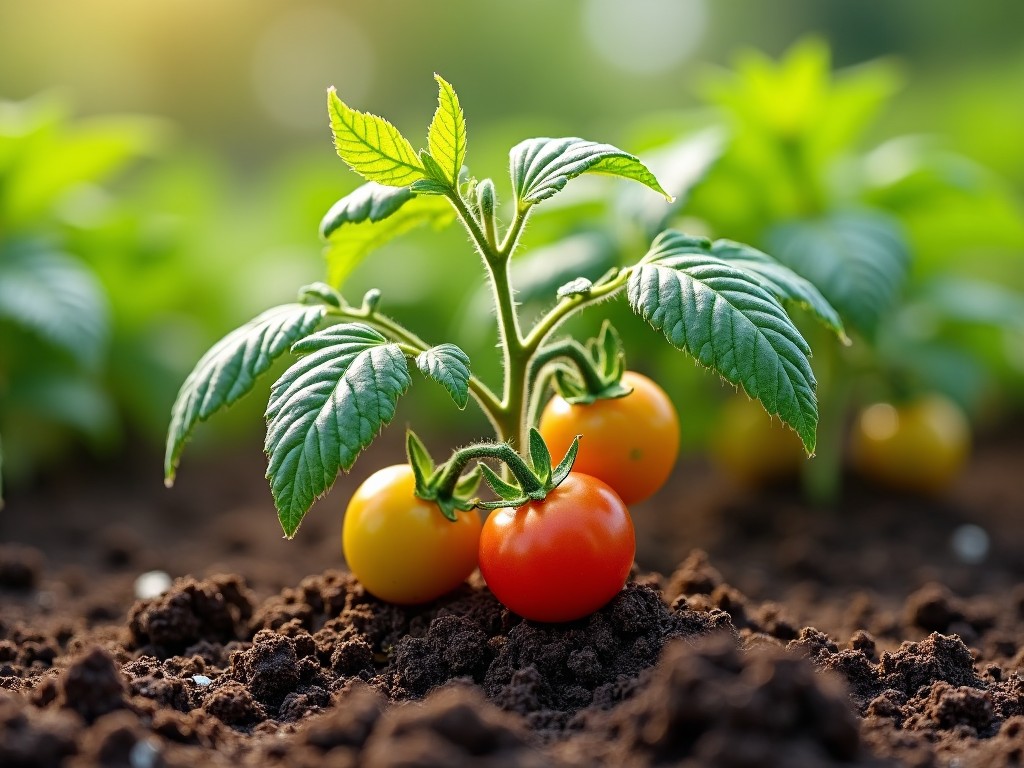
{"points": [[401, 547], [919, 446], [753, 448], [630, 442]]}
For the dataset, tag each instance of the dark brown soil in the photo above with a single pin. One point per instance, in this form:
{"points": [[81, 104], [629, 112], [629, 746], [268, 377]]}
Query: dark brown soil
{"points": [[755, 631]]}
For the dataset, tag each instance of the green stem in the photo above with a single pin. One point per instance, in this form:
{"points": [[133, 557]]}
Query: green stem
{"points": [[570, 305], [571, 350], [503, 452], [822, 476]]}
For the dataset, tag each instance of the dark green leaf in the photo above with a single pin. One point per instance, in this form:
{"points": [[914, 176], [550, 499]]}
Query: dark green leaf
{"points": [[326, 409], [371, 146], [230, 369], [859, 261], [54, 296], [369, 202], [724, 318], [448, 366], [348, 245], [446, 136], [542, 167]]}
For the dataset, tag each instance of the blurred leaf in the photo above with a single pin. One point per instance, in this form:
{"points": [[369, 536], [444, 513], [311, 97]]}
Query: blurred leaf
{"points": [[326, 409], [542, 167], [446, 136], [371, 146], [53, 295], [68, 398], [349, 244], [230, 369], [448, 366], [370, 202], [958, 299], [858, 260], [680, 166], [729, 323]]}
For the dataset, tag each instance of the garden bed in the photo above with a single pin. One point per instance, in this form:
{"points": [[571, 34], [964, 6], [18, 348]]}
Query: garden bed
{"points": [[755, 631]]}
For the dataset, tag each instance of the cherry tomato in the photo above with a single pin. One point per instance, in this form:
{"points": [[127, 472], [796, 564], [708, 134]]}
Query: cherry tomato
{"points": [[751, 447], [401, 547], [561, 558], [630, 442], [919, 446]]}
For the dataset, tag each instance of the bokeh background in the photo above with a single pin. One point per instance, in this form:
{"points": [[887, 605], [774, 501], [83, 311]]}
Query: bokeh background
{"points": [[173, 156]]}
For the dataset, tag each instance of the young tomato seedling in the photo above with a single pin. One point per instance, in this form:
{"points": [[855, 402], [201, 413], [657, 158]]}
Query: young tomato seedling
{"points": [[720, 301]]}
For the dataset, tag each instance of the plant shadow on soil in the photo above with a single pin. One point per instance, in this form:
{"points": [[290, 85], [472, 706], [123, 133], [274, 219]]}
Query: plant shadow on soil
{"points": [[754, 632]]}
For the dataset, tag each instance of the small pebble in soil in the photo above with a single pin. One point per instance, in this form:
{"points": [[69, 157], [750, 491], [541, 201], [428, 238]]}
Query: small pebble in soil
{"points": [[152, 584], [970, 543], [201, 680], [144, 754]]}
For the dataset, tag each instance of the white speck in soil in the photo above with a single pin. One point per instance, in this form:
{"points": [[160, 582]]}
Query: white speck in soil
{"points": [[202, 680], [970, 543], [143, 754], [151, 584]]}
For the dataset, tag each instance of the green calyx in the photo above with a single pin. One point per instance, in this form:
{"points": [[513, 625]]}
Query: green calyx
{"points": [[451, 493], [584, 374], [534, 481]]}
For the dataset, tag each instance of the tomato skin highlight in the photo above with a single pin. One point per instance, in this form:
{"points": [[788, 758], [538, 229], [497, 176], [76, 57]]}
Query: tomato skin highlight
{"points": [[630, 442], [400, 547], [562, 558]]}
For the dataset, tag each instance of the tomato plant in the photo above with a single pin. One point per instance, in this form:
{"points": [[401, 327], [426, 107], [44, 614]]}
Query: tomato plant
{"points": [[630, 442], [722, 302], [919, 445], [561, 558]]}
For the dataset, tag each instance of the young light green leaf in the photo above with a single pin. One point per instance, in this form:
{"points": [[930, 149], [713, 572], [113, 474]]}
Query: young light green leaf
{"points": [[579, 286], [728, 322], [326, 409], [54, 296], [371, 146], [542, 167], [446, 136], [448, 366], [230, 369], [352, 242], [785, 285], [370, 202], [858, 260]]}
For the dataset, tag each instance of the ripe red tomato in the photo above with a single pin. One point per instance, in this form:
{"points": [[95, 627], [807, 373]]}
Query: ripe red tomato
{"points": [[401, 547], [630, 442], [561, 558], [918, 446]]}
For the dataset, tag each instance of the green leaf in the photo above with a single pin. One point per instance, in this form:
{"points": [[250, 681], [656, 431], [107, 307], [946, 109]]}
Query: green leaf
{"points": [[446, 136], [322, 293], [54, 296], [785, 285], [542, 167], [468, 483], [230, 369], [448, 366], [369, 202], [371, 146], [858, 260], [724, 318], [352, 242], [1, 474], [326, 409]]}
